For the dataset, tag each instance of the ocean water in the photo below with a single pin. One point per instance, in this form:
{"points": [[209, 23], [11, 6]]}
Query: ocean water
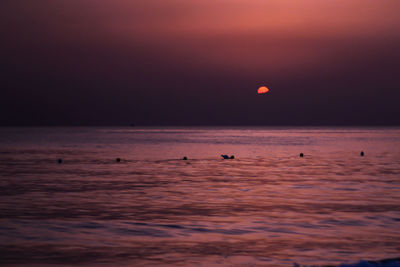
{"points": [[266, 207]]}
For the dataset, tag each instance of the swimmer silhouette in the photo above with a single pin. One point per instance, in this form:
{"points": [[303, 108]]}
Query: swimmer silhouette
{"points": [[362, 154], [232, 157], [301, 155], [184, 158], [225, 156], [117, 159], [59, 161]]}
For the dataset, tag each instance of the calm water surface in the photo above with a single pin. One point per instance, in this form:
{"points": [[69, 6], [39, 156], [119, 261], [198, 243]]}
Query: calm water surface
{"points": [[267, 207]]}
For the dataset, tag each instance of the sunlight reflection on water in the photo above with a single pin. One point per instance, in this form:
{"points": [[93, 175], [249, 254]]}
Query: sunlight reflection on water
{"points": [[268, 206]]}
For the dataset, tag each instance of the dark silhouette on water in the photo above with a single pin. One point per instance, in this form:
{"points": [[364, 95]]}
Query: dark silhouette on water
{"points": [[59, 161], [184, 158], [232, 157], [301, 155], [362, 154], [118, 160], [227, 157]]}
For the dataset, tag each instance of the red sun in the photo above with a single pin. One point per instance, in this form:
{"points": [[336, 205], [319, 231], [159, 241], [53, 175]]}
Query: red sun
{"points": [[262, 90]]}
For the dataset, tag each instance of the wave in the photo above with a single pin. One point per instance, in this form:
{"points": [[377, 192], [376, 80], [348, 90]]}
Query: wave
{"points": [[394, 262]]}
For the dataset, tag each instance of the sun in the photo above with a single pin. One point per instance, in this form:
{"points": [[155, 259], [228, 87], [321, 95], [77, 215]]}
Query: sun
{"points": [[262, 90]]}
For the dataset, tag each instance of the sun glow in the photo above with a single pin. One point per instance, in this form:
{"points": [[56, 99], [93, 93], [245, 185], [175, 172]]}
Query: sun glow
{"points": [[262, 90]]}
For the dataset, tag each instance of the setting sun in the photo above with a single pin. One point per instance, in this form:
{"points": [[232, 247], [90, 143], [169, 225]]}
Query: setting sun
{"points": [[262, 90]]}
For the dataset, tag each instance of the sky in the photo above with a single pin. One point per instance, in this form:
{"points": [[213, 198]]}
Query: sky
{"points": [[199, 62]]}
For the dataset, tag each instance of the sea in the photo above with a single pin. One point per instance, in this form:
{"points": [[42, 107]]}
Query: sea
{"points": [[125, 196]]}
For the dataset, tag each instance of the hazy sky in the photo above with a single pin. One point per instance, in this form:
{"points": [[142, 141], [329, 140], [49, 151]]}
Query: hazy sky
{"points": [[199, 62]]}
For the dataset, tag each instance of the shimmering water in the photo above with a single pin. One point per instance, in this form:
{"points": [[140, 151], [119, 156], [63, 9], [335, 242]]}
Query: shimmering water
{"points": [[266, 207]]}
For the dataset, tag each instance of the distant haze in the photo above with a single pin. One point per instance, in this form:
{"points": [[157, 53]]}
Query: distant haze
{"points": [[199, 62]]}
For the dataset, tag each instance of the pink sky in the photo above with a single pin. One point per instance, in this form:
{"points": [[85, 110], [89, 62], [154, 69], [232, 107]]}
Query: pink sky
{"points": [[210, 48]]}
